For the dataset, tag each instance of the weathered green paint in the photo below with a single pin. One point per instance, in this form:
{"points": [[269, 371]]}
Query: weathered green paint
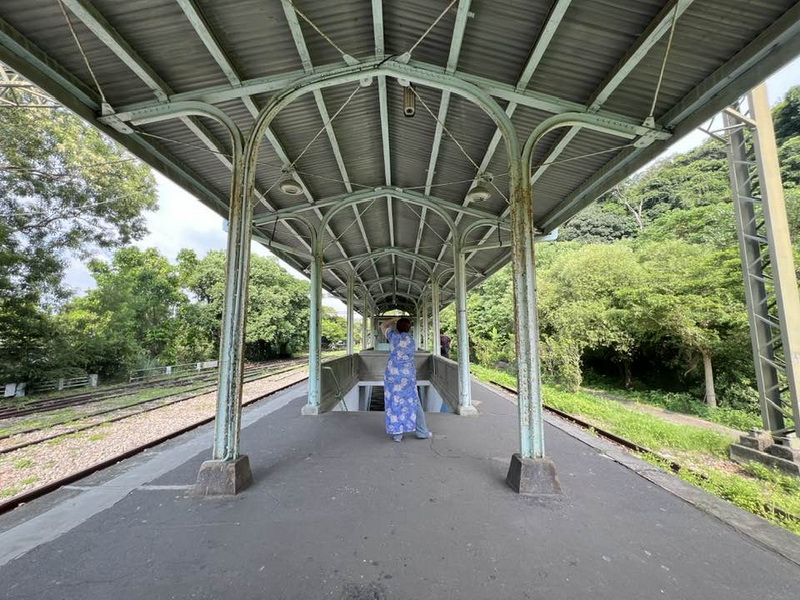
{"points": [[435, 325], [315, 335], [527, 332], [227, 425], [350, 313], [464, 385]]}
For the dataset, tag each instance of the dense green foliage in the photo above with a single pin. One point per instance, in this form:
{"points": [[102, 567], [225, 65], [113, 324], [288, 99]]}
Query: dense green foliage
{"points": [[146, 311], [277, 315], [65, 190], [644, 288]]}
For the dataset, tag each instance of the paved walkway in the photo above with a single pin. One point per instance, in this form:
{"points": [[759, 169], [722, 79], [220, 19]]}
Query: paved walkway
{"points": [[338, 511]]}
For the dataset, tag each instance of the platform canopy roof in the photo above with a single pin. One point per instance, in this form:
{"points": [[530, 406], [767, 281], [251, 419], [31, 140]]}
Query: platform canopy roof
{"points": [[613, 63]]}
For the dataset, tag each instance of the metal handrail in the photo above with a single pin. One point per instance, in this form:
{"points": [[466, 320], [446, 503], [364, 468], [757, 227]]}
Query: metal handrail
{"points": [[338, 394]]}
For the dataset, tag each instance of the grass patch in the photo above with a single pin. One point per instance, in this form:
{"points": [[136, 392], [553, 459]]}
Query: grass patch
{"points": [[71, 415], [487, 374], [642, 428], [758, 496], [687, 405], [96, 437], [23, 463], [755, 488], [11, 491], [645, 429]]}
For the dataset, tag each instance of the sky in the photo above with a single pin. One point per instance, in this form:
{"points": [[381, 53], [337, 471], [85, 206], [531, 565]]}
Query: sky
{"points": [[182, 221]]}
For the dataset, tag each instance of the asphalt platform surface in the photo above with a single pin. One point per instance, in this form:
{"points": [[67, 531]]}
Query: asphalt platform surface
{"points": [[339, 511]]}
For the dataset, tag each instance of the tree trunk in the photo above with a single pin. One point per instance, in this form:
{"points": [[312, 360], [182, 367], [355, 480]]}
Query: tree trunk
{"points": [[626, 365], [711, 396]]}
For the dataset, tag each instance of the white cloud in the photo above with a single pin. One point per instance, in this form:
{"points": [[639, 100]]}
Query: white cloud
{"points": [[181, 221]]}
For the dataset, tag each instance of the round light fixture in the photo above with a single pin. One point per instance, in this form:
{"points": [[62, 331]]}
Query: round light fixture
{"points": [[289, 184], [409, 102], [482, 190]]}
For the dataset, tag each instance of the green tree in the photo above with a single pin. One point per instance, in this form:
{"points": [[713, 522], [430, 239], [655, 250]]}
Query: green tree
{"points": [[598, 223], [334, 327], [786, 115], [65, 190], [130, 319], [584, 304], [277, 317], [692, 297]]}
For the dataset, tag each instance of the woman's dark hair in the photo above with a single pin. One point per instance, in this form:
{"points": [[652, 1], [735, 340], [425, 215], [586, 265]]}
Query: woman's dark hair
{"points": [[403, 325]]}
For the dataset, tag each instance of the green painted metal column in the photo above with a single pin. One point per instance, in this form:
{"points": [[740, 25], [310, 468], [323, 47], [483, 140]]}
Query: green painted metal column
{"points": [[424, 323], [351, 348], [417, 328], [364, 317], [529, 392], [229, 472], [464, 385], [234, 313], [435, 325], [529, 471], [315, 337]]}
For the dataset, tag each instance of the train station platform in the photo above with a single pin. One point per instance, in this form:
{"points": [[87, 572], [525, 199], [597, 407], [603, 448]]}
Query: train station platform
{"points": [[339, 511]]}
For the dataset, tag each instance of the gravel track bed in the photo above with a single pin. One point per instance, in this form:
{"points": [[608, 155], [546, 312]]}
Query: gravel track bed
{"points": [[37, 465], [91, 419]]}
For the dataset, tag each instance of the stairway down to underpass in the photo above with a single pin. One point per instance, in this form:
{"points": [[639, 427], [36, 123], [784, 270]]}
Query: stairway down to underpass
{"points": [[376, 399]]}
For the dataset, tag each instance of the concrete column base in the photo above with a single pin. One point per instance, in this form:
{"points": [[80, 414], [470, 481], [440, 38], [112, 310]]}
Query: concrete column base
{"points": [[533, 476], [309, 410], [760, 447], [467, 411], [223, 477]]}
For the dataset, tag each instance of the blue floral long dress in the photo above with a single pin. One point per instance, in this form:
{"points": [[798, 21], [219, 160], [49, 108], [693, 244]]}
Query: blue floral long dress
{"points": [[400, 384]]}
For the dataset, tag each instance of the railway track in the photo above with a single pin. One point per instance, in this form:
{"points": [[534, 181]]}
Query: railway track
{"points": [[34, 493], [629, 445], [200, 391], [116, 392]]}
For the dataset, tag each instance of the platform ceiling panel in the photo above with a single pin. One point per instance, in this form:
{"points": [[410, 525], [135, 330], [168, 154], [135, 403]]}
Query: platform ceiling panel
{"points": [[250, 30], [499, 37], [598, 58], [571, 68]]}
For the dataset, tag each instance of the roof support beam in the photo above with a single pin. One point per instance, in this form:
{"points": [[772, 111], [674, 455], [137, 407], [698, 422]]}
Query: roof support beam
{"points": [[24, 57], [395, 280], [97, 24], [394, 192], [305, 57], [401, 252], [659, 27], [509, 93], [377, 33], [554, 18], [655, 31], [204, 32], [452, 62], [772, 49]]}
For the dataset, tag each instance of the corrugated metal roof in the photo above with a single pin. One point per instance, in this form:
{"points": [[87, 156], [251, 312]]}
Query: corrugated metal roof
{"points": [[708, 59]]}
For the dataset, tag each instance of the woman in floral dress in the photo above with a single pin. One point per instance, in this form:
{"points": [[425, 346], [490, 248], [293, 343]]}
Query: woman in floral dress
{"points": [[404, 413]]}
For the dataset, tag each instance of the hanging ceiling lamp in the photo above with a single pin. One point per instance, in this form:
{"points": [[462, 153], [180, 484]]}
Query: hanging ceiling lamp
{"points": [[482, 190], [289, 183], [409, 101]]}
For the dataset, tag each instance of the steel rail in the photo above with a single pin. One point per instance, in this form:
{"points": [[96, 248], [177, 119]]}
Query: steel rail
{"points": [[205, 387], [629, 445], [26, 497]]}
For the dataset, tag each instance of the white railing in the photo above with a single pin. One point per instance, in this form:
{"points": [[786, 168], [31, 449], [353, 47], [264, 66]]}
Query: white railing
{"points": [[172, 370], [56, 385]]}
